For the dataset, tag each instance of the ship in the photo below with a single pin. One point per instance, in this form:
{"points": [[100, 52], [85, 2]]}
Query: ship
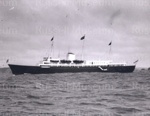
{"points": [[72, 65]]}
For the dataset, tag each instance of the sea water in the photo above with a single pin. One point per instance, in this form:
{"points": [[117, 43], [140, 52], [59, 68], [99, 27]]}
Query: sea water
{"points": [[75, 94]]}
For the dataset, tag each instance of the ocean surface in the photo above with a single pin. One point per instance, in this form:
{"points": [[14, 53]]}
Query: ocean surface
{"points": [[75, 94]]}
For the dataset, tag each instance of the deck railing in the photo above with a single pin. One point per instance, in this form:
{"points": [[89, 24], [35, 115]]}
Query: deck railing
{"points": [[80, 65]]}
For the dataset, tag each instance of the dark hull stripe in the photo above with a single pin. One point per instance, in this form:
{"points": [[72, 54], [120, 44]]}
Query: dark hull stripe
{"points": [[21, 69]]}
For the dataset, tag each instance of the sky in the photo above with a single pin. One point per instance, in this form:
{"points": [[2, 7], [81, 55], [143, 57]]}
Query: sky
{"points": [[27, 26]]}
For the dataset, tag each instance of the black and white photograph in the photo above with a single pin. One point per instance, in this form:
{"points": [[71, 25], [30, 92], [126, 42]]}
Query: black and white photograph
{"points": [[74, 58]]}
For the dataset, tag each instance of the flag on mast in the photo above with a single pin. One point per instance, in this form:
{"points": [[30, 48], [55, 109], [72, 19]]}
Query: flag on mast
{"points": [[82, 38], [52, 39], [110, 43]]}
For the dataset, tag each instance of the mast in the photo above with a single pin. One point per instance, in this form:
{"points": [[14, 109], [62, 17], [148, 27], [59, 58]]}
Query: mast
{"points": [[82, 38], [52, 46], [110, 47]]}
